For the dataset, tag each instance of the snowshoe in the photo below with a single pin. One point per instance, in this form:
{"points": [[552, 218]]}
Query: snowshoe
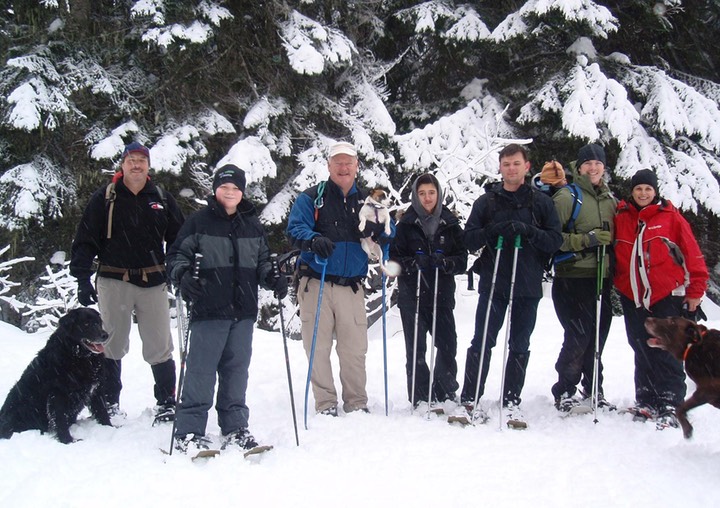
{"points": [[568, 405], [164, 412], [329, 411], [640, 413], [515, 417], [196, 446], [666, 418], [245, 441], [114, 411]]}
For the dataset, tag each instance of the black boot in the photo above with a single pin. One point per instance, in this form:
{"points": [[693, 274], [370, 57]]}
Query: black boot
{"points": [[164, 374], [111, 383], [472, 366], [515, 377]]}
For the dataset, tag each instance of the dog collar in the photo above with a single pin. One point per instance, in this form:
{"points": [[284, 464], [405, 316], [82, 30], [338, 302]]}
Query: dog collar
{"points": [[687, 350]]}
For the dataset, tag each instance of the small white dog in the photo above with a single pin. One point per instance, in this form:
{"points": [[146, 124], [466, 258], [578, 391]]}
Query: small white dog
{"points": [[375, 209]]}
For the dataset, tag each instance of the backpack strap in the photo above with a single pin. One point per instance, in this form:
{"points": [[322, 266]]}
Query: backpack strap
{"points": [[319, 200], [110, 196], [576, 193]]}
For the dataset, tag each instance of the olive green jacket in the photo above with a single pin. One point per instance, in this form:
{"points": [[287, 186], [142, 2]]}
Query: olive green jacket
{"points": [[597, 211]]}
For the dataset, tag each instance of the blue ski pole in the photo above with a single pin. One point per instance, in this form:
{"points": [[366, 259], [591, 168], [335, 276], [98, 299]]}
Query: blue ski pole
{"points": [[322, 262]]}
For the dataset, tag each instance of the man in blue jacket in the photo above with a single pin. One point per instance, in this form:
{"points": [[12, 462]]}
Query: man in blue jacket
{"points": [[324, 223]]}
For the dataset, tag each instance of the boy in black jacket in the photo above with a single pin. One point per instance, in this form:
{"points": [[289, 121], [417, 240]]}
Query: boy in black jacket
{"points": [[235, 260], [429, 236]]}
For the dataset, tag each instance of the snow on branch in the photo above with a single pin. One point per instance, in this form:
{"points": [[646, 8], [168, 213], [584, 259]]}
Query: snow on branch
{"points": [[426, 15], [310, 45], [33, 191], [196, 32], [41, 98], [588, 102], [461, 149], [528, 19], [5, 266], [675, 108], [468, 26]]}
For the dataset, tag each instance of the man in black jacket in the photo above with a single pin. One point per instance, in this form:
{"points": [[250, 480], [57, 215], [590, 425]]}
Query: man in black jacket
{"points": [[125, 225], [509, 209]]}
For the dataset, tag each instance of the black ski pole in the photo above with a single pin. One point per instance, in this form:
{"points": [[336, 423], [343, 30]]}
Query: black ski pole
{"points": [[183, 324], [598, 311], [277, 275], [476, 400], [508, 325]]}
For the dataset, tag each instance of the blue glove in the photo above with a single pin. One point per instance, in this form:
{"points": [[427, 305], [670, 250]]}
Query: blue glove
{"points": [[422, 261]]}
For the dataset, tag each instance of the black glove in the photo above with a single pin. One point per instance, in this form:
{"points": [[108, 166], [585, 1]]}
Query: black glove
{"points": [[441, 262], [493, 231], [374, 230], [191, 288], [422, 261], [86, 293], [513, 228], [322, 246], [278, 284]]}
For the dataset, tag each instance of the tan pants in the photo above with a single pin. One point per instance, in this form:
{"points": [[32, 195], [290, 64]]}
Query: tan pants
{"points": [[342, 314], [117, 300]]}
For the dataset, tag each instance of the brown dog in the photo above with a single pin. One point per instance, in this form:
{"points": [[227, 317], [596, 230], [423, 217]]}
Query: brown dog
{"points": [[699, 349]]}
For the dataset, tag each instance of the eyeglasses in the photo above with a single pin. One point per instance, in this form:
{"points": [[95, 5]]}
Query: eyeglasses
{"points": [[136, 160]]}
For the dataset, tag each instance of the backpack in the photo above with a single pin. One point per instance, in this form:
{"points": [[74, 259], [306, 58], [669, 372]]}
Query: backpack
{"points": [[110, 196]]}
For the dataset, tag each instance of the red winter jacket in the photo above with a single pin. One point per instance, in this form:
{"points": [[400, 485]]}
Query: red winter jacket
{"points": [[671, 257]]}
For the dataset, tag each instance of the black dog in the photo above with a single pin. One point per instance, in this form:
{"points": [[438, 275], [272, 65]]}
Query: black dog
{"points": [[61, 380], [699, 348]]}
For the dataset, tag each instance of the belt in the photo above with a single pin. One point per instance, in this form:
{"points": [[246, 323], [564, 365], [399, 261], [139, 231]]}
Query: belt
{"points": [[127, 272], [352, 282]]}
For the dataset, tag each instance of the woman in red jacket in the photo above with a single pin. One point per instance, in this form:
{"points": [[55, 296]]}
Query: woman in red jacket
{"points": [[659, 270]]}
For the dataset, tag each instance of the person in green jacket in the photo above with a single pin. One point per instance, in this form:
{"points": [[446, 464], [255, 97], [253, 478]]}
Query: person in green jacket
{"points": [[575, 284]]}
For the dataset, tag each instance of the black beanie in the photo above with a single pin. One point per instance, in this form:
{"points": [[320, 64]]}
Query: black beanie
{"points": [[591, 152], [644, 176], [229, 173]]}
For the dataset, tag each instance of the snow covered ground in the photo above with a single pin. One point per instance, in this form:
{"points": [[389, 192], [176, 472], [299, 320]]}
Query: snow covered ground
{"points": [[371, 460]]}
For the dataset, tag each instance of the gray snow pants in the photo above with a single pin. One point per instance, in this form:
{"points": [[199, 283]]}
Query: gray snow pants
{"points": [[223, 347]]}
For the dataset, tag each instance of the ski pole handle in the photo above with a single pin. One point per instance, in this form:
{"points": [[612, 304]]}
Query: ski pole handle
{"points": [[499, 242], [196, 266], [518, 239], [275, 266]]}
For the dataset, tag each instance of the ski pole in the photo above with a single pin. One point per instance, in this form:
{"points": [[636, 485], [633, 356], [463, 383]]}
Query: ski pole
{"points": [[277, 275], [498, 249], [183, 325], [432, 344], [322, 262], [598, 311], [508, 324], [415, 341], [384, 329], [432, 333]]}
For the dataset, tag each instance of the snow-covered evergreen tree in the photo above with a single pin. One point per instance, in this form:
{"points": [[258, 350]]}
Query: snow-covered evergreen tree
{"points": [[418, 86]]}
